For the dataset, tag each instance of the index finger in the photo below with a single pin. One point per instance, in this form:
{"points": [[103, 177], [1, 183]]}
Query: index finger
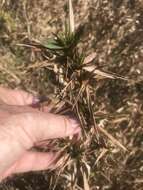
{"points": [[39, 126], [15, 97]]}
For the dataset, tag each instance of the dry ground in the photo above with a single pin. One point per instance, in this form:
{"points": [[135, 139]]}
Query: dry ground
{"points": [[113, 29]]}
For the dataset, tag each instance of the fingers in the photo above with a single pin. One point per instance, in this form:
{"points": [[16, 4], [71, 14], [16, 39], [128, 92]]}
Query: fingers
{"points": [[41, 126], [33, 161], [21, 98], [16, 97], [33, 127]]}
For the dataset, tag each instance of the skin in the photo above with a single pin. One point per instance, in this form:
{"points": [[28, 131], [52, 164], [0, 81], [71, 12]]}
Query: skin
{"points": [[21, 127]]}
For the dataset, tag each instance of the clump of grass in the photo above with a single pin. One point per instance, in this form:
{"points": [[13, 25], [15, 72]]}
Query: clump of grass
{"points": [[76, 76]]}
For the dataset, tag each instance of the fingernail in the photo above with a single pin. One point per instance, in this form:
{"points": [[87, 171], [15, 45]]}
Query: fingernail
{"points": [[35, 101], [74, 123], [77, 130], [75, 126]]}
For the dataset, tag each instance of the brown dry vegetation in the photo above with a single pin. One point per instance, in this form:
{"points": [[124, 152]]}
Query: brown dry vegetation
{"points": [[110, 155]]}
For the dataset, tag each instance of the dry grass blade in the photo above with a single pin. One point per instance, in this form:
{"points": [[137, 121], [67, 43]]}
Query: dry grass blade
{"points": [[71, 18], [78, 96], [43, 64], [94, 70], [113, 140], [119, 120], [103, 74], [85, 181], [26, 45], [103, 152], [89, 58]]}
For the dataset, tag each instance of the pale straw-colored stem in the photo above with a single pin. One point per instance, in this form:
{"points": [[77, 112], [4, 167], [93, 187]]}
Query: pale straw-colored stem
{"points": [[71, 17]]}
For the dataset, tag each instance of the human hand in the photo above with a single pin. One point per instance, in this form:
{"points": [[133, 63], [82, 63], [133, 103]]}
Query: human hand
{"points": [[21, 127]]}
